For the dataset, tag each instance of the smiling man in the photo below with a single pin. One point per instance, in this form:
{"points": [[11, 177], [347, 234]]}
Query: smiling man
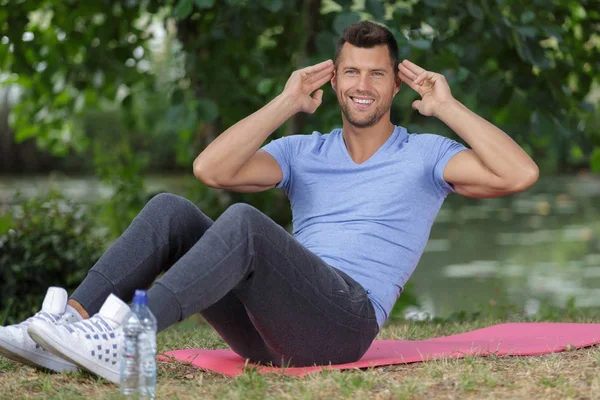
{"points": [[363, 198]]}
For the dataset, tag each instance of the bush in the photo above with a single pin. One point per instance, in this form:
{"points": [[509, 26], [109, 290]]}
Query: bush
{"points": [[46, 241]]}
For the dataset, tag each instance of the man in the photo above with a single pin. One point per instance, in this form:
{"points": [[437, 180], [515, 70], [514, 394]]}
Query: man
{"points": [[363, 198]]}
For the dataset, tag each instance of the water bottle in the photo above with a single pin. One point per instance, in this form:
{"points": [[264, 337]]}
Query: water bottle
{"points": [[146, 347], [138, 363], [129, 379]]}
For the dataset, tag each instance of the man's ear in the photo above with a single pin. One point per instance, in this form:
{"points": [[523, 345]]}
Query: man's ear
{"points": [[334, 80], [397, 84]]}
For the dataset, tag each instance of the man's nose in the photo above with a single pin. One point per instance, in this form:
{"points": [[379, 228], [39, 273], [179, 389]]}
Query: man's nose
{"points": [[363, 82]]}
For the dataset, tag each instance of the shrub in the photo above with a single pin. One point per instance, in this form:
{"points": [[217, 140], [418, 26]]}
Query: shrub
{"points": [[45, 241]]}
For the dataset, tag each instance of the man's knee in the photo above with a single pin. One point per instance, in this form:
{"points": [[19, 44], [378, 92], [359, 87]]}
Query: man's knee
{"points": [[243, 210], [243, 215], [166, 202]]}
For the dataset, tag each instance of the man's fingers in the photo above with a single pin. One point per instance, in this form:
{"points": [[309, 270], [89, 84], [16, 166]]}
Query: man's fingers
{"points": [[317, 84], [317, 67], [317, 76], [318, 97], [424, 75], [414, 68], [407, 72], [409, 81]]}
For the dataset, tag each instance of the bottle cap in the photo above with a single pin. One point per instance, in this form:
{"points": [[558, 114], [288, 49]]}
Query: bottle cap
{"points": [[140, 298]]}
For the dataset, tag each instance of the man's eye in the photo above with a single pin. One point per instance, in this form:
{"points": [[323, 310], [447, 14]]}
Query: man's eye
{"points": [[350, 72], [378, 73]]}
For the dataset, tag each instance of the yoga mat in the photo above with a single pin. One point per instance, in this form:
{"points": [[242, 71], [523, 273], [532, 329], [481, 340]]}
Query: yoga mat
{"points": [[516, 339]]}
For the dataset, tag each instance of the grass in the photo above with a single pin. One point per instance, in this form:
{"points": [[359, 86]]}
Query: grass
{"points": [[571, 374]]}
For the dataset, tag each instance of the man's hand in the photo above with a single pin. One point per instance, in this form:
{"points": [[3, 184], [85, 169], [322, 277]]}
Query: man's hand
{"points": [[432, 87], [302, 83]]}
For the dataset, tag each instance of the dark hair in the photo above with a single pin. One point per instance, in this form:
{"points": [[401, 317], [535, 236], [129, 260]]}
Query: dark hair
{"points": [[368, 34]]}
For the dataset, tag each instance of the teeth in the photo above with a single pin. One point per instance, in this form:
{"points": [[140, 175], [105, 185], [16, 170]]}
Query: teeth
{"points": [[361, 101]]}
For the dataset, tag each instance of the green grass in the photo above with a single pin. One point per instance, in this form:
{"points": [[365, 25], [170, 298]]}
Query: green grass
{"points": [[572, 374]]}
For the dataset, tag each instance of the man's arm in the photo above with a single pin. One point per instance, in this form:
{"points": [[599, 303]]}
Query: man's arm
{"points": [[496, 165], [233, 160]]}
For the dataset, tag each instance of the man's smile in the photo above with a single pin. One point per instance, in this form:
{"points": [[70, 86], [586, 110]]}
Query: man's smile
{"points": [[361, 103]]}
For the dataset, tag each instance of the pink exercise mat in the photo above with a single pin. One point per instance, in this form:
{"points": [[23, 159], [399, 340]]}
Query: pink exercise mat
{"points": [[516, 339]]}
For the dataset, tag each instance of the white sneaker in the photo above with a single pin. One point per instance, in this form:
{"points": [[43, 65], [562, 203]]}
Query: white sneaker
{"points": [[93, 344], [16, 344]]}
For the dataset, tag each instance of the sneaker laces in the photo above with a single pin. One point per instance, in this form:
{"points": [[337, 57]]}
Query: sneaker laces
{"points": [[42, 315], [95, 324], [67, 318]]}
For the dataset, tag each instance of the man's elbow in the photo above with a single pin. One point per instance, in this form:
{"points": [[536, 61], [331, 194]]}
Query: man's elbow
{"points": [[527, 178], [203, 176]]}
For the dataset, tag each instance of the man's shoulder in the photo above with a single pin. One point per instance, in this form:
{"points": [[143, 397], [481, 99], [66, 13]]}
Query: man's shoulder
{"points": [[315, 138], [425, 137], [425, 142]]}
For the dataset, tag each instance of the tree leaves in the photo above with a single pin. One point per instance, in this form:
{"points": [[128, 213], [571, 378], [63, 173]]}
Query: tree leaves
{"points": [[208, 110], [595, 160], [183, 9], [376, 8], [273, 6], [204, 3], [239, 53], [343, 20]]}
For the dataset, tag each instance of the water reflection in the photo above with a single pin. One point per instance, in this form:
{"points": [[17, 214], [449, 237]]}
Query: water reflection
{"points": [[541, 245]]}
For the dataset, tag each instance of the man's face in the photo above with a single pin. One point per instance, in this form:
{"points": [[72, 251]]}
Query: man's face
{"points": [[365, 84]]}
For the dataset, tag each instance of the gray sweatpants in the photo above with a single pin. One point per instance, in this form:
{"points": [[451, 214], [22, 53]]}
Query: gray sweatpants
{"points": [[268, 297]]}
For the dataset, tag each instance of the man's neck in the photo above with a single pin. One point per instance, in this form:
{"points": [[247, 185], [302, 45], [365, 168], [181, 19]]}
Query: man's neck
{"points": [[362, 143]]}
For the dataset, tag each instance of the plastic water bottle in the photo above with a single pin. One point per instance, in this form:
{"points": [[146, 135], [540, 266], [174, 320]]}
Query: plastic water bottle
{"points": [[138, 363], [129, 379], [146, 347]]}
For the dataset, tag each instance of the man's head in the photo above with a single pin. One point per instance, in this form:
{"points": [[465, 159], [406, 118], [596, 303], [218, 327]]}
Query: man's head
{"points": [[366, 73]]}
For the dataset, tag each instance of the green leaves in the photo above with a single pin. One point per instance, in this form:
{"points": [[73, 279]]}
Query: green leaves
{"points": [[595, 160], [475, 10], [183, 9], [6, 222], [230, 57], [421, 44], [273, 6], [208, 110], [51, 241], [376, 8], [527, 17], [435, 3], [343, 20], [201, 4]]}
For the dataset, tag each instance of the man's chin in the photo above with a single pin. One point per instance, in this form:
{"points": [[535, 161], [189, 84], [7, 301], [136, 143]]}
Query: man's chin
{"points": [[364, 122]]}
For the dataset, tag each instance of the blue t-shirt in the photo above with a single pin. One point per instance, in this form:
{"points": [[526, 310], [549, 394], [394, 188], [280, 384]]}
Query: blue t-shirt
{"points": [[371, 220]]}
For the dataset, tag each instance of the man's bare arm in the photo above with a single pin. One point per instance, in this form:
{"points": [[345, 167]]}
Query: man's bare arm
{"points": [[496, 165], [233, 160]]}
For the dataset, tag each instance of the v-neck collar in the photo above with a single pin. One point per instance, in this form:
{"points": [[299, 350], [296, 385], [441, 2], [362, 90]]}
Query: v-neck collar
{"points": [[398, 131]]}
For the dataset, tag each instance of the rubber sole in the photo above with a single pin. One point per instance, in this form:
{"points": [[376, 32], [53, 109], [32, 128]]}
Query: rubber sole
{"points": [[34, 360], [55, 347]]}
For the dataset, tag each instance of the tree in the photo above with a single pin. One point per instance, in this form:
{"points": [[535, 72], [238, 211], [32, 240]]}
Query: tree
{"points": [[528, 66]]}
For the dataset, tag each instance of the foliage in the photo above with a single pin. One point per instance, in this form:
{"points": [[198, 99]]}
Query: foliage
{"points": [[121, 167], [528, 66], [46, 241]]}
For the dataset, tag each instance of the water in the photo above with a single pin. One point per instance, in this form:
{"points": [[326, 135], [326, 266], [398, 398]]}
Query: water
{"points": [[535, 247], [138, 365]]}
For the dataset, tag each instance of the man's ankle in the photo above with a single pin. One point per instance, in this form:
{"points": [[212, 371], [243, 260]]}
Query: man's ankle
{"points": [[79, 308]]}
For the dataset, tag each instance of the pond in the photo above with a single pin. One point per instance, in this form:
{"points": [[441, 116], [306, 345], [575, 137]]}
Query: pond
{"points": [[542, 245]]}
